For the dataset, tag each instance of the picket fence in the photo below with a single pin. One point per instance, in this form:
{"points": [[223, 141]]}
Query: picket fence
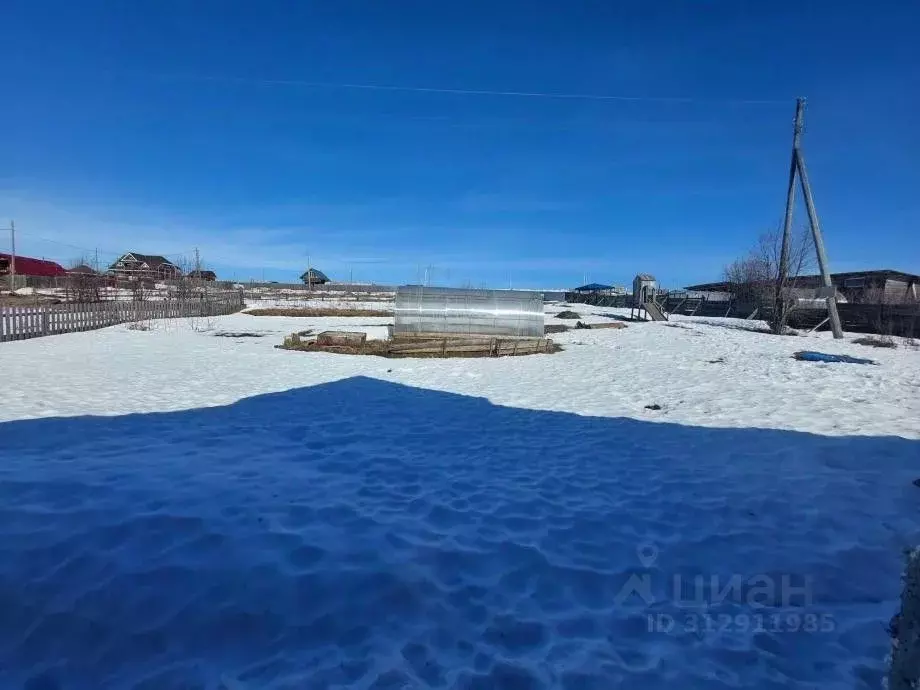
{"points": [[21, 323]]}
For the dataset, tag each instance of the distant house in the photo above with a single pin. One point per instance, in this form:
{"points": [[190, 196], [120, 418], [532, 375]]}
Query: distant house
{"points": [[314, 277], [592, 288], [27, 266], [134, 266], [868, 287], [208, 276], [81, 270], [599, 289]]}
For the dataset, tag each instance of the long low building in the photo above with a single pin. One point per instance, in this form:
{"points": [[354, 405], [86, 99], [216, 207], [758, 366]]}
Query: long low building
{"points": [[28, 266], [855, 286]]}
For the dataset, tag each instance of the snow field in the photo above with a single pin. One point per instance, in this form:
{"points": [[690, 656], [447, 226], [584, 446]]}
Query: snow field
{"points": [[237, 516]]}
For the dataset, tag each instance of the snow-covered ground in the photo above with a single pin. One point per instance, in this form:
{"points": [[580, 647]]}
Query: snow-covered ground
{"points": [[706, 374], [239, 516]]}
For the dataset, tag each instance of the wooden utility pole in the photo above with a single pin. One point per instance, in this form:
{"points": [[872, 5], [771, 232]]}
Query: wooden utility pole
{"points": [[830, 292], [783, 276], [12, 257], [797, 166]]}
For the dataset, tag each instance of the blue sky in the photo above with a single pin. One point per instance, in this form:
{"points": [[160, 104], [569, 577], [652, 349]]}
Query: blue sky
{"points": [[240, 128]]}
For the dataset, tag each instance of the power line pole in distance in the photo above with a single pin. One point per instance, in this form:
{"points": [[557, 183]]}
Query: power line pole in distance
{"points": [[12, 257], [797, 166]]}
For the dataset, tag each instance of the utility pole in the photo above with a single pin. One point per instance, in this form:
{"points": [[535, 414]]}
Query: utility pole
{"points": [[829, 289], [790, 204], [797, 166], [12, 257], [309, 274]]}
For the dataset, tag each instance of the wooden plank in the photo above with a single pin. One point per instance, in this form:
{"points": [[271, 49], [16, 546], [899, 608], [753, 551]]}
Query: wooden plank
{"points": [[612, 324], [465, 336], [344, 338], [425, 343]]}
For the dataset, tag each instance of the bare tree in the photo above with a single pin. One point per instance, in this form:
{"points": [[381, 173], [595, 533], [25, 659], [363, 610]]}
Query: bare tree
{"points": [[757, 278], [193, 295], [82, 283]]}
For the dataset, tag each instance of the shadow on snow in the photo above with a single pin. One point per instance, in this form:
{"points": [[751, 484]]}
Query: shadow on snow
{"points": [[369, 534]]}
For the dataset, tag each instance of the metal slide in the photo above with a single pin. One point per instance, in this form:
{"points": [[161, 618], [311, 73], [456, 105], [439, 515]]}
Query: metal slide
{"points": [[654, 312]]}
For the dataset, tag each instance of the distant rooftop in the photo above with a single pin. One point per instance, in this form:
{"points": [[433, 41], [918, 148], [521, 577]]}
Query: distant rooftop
{"points": [[593, 287], [815, 280]]}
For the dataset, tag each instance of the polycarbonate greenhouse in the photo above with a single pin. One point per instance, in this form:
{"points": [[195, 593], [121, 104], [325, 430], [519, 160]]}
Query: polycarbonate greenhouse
{"points": [[421, 309]]}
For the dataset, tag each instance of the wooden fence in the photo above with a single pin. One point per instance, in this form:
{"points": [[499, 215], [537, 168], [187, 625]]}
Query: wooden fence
{"points": [[886, 319], [22, 323]]}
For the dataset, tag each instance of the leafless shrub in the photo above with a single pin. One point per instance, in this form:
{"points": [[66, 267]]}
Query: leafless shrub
{"points": [[759, 278], [191, 294], [877, 341], [82, 283]]}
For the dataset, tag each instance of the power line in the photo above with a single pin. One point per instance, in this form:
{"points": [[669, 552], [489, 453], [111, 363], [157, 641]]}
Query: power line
{"points": [[468, 92], [113, 252]]}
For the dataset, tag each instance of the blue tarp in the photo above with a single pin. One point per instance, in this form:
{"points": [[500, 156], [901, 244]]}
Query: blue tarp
{"points": [[809, 356]]}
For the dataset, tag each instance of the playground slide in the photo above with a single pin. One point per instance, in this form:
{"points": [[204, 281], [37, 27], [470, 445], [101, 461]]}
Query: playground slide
{"points": [[654, 312]]}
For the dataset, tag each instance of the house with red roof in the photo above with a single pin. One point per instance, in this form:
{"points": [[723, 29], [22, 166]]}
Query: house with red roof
{"points": [[27, 266]]}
